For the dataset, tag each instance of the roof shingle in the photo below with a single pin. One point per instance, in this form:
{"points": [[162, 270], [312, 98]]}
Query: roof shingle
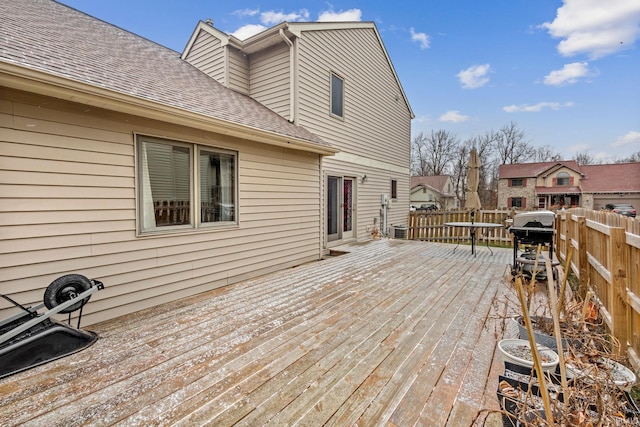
{"points": [[50, 37], [619, 177]]}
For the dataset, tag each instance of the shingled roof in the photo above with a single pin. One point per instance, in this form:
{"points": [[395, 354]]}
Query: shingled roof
{"points": [[619, 177], [52, 38], [529, 170], [435, 182]]}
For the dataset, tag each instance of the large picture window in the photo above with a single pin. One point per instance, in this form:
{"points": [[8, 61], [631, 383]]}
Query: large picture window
{"points": [[174, 176], [337, 96]]}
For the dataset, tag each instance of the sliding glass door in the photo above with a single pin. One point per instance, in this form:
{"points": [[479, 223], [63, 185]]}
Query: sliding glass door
{"points": [[340, 208]]}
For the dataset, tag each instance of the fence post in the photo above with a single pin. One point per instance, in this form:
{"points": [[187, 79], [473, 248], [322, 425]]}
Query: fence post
{"points": [[618, 293], [583, 263], [560, 241]]}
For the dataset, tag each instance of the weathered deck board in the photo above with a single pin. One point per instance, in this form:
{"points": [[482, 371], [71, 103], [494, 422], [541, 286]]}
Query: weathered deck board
{"points": [[461, 349], [393, 333], [480, 374]]}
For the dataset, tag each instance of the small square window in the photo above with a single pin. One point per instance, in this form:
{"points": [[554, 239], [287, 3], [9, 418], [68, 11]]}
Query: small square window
{"points": [[517, 202], [337, 96], [517, 182]]}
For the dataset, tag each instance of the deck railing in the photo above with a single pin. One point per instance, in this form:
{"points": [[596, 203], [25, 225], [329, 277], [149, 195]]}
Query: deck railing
{"points": [[606, 260], [430, 226]]}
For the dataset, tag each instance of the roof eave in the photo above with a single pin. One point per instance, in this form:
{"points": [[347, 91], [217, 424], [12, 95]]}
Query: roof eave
{"points": [[225, 39], [29, 80]]}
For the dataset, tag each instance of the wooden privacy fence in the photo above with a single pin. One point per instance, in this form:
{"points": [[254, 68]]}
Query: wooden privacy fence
{"points": [[430, 226], [606, 260]]}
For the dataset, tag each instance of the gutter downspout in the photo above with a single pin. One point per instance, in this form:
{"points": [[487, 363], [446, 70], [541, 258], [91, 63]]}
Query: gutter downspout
{"points": [[292, 80]]}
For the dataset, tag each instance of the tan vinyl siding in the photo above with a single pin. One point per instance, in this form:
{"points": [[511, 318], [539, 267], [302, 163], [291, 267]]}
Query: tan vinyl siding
{"points": [[270, 78], [67, 181], [376, 127], [368, 194], [208, 55], [377, 122], [238, 70]]}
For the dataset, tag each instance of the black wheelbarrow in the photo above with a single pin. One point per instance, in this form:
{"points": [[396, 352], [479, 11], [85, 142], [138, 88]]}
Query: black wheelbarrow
{"points": [[30, 338]]}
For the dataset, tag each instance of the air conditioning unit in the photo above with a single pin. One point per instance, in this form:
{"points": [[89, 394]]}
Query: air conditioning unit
{"points": [[400, 232]]}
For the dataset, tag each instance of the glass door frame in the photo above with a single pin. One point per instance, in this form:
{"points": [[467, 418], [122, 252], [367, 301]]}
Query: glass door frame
{"points": [[335, 210]]}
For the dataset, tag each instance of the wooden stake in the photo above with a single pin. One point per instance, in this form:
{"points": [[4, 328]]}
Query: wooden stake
{"points": [[532, 282], [555, 313], [534, 352], [567, 269], [585, 305]]}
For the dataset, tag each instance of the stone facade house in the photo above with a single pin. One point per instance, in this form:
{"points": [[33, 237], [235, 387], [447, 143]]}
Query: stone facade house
{"points": [[553, 185]]}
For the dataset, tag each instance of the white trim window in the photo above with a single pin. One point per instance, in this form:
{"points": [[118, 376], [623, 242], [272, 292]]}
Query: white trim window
{"points": [[337, 95], [174, 176]]}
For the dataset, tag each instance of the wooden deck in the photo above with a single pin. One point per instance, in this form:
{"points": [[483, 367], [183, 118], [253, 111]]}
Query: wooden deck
{"points": [[394, 333]]}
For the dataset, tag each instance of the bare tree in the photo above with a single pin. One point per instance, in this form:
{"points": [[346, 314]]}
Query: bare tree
{"points": [[546, 153], [419, 160], [633, 158], [485, 147], [488, 185], [511, 145], [433, 154], [459, 171], [584, 159]]}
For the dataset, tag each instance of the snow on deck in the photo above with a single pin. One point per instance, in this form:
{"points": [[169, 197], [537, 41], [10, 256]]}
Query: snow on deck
{"points": [[394, 333]]}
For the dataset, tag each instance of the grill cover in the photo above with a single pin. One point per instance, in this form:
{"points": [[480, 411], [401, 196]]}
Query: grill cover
{"points": [[536, 219]]}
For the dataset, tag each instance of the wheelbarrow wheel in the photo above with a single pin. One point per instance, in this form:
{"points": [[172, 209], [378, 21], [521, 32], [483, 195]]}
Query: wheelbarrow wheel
{"points": [[66, 288]]}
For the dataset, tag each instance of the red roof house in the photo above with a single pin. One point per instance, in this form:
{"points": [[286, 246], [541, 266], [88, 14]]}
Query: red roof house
{"points": [[548, 185]]}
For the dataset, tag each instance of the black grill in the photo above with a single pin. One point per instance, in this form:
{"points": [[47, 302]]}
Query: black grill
{"points": [[532, 228]]}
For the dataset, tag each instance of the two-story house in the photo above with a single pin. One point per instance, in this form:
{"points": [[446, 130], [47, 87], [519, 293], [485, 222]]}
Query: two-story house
{"points": [[122, 161], [319, 76], [552, 185], [436, 189]]}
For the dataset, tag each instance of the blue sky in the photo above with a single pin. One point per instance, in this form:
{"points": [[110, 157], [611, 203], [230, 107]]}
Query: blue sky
{"points": [[566, 72]]}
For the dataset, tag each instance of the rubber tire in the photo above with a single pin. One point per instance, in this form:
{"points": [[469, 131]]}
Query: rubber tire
{"points": [[65, 288]]}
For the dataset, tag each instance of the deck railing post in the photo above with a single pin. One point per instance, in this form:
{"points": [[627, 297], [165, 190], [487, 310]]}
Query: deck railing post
{"points": [[618, 286], [583, 264]]}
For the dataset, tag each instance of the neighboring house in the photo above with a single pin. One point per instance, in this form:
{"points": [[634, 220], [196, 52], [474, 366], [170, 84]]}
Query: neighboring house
{"points": [[320, 76], [552, 185], [123, 162], [437, 189]]}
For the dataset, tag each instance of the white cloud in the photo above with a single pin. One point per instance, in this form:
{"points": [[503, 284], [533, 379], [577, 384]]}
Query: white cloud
{"points": [[268, 19], [453, 116], [536, 108], [474, 76], [248, 30], [246, 12], [421, 38], [595, 27], [569, 74], [342, 16], [272, 17], [629, 139], [421, 119]]}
